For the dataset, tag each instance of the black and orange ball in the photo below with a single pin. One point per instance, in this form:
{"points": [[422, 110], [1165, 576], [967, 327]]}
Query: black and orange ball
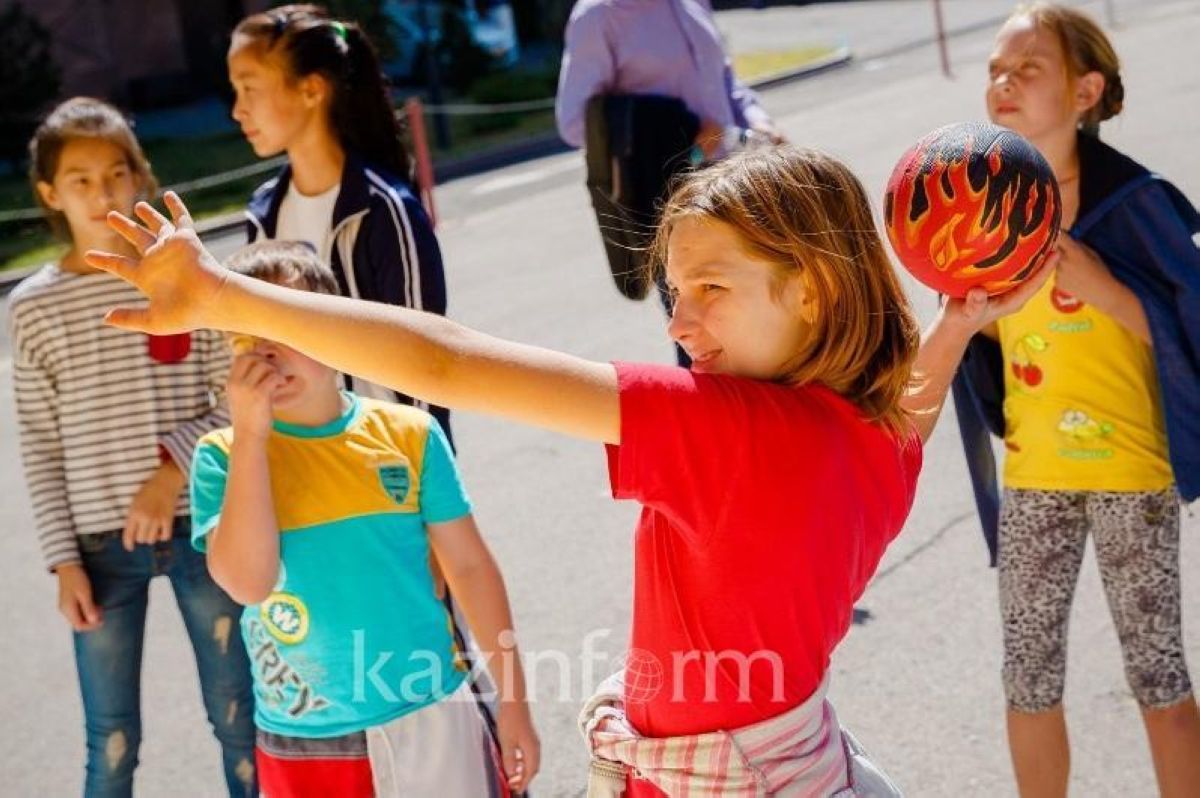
{"points": [[972, 204]]}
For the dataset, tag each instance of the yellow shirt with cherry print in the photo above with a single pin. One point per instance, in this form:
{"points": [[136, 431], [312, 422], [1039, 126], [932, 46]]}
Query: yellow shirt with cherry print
{"points": [[1081, 408]]}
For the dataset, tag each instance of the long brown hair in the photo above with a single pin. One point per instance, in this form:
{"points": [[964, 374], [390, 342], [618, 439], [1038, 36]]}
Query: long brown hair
{"points": [[1085, 49], [78, 118], [807, 212]]}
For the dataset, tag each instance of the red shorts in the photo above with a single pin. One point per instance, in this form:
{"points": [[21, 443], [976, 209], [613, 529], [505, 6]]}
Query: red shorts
{"points": [[445, 748], [290, 767]]}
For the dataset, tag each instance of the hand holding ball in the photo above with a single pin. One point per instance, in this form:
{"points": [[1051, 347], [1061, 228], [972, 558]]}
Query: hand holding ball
{"points": [[972, 204]]}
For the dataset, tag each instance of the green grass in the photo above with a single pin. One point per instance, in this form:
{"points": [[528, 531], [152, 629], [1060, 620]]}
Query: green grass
{"points": [[38, 254], [760, 64]]}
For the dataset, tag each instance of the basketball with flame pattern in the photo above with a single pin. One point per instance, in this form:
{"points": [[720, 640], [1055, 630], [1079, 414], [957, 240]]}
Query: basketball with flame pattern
{"points": [[972, 204]]}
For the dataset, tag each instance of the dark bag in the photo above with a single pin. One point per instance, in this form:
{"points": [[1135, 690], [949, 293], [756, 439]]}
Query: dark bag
{"points": [[635, 144]]}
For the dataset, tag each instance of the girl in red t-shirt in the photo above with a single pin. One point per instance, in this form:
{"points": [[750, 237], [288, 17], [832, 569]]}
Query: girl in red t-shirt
{"points": [[772, 474]]}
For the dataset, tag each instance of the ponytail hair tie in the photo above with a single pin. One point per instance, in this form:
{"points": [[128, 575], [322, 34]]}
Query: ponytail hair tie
{"points": [[279, 23], [339, 29]]}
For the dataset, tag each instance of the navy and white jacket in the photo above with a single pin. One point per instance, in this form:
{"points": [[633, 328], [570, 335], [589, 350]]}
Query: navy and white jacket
{"points": [[383, 249]]}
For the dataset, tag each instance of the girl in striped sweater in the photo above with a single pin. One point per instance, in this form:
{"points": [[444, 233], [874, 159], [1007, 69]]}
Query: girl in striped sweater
{"points": [[108, 420]]}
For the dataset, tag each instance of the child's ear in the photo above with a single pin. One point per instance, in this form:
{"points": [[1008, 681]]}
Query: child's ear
{"points": [[48, 195], [1088, 91], [314, 88], [808, 309], [804, 298]]}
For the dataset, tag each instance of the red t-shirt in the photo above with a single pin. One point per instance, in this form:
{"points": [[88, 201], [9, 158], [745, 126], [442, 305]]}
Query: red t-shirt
{"points": [[766, 510]]}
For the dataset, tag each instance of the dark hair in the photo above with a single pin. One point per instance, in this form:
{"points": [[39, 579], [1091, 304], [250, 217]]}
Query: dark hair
{"points": [[307, 40], [293, 264], [78, 118]]}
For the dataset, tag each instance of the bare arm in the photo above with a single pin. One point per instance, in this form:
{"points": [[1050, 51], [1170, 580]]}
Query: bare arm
{"points": [[431, 357], [243, 550], [946, 339], [1124, 306], [417, 353], [477, 585], [942, 346], [1083, 274]]}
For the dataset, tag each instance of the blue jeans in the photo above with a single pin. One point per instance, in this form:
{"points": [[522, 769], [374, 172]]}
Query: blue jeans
{"points": [[109, 659]]}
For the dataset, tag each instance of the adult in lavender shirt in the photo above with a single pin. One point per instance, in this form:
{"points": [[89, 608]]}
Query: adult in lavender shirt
{"points": [[669, 48], [666, 47]]}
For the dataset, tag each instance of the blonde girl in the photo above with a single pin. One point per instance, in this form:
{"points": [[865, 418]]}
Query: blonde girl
{"points": [[1099, 443]]}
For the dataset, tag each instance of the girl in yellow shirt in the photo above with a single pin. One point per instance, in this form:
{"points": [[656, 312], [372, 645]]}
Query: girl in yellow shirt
{"points": [[1084, 433]]}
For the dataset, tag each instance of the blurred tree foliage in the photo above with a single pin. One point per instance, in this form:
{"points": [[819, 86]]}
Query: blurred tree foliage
{"points": [[541, 20], [29, 80], [379, 27]]}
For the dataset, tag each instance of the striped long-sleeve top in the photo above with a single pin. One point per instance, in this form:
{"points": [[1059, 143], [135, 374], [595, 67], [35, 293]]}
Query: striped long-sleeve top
{"points": [[97, 407]]}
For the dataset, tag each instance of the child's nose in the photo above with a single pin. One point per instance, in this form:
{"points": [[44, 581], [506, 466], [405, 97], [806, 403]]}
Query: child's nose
{"points": [[682, 322]]}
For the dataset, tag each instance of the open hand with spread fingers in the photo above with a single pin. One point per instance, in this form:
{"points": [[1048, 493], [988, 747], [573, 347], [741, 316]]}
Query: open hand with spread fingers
{"points": [[177, 274]]}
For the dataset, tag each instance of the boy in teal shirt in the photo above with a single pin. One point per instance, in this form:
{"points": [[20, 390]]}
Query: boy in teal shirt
{"points": [[319, 510]]}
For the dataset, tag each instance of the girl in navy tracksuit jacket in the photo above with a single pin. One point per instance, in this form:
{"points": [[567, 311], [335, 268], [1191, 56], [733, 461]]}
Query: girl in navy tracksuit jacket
{"points": [[311, 86]]}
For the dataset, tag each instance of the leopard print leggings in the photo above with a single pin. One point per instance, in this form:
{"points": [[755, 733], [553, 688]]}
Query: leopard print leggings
{"points": [[1136, 536]]}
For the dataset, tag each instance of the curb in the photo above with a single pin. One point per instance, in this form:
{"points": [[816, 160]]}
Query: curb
{"points": [[551, 144], [508, 155], [538, 146], [841, 56]]}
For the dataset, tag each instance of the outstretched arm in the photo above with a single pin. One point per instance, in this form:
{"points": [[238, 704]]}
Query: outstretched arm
{"points": [[416, 353]]}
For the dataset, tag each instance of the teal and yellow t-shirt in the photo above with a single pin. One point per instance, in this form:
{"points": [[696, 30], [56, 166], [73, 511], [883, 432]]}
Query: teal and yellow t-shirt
{"points": [[353, 634], [1082, 408]]}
